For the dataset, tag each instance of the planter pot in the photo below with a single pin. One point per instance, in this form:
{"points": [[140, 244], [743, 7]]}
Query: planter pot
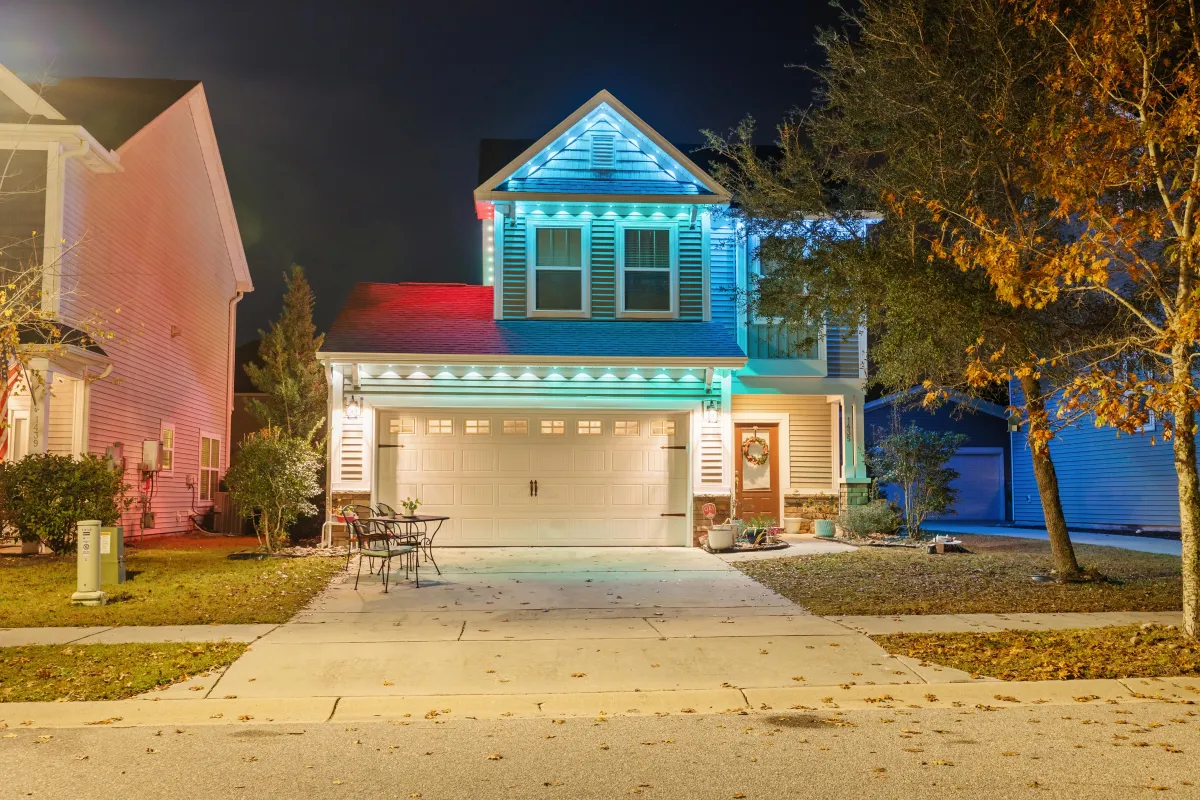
{"points": [[720, 537], [791, 524], [823, 528]]}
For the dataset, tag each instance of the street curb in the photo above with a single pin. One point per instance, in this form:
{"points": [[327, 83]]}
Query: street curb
{"points": [[987, 696]]}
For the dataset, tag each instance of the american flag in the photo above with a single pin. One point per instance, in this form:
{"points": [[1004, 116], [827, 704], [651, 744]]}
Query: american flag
{"points": [[10, 384]]}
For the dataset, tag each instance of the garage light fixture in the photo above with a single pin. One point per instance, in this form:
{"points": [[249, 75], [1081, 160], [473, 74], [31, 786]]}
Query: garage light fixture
{"points": [[353, 407], [712, 414]]}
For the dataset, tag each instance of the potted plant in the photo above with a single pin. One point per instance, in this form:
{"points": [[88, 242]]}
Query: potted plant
{"points": [[722, 537], [758, 527], [410, 506]]}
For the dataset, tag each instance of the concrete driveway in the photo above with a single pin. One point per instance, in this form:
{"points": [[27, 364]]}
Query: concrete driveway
{"points": [[504, 621]]}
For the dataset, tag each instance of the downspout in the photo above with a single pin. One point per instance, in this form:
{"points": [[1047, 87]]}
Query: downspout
{"points": [[327, 526]]}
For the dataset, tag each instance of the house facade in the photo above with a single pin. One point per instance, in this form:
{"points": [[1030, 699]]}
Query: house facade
{"points": [[602, 384], [113, 189]]}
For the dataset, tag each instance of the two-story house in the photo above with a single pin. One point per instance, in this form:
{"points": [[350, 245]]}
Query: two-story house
{"points": [[602, 383], [113, 192]]}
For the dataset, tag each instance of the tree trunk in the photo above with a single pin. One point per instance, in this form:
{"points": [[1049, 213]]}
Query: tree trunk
{"points": [[1061, 550], [1189, 493]]}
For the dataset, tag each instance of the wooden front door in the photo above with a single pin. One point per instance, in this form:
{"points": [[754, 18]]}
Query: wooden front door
{"points": [[757, 485]]}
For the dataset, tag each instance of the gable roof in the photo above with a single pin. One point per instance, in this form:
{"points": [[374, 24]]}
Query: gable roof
{"points": [[456, 320], [909, 398], [113, 109], [557, 166]]}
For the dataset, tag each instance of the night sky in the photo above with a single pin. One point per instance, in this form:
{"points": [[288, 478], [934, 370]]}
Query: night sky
{"points": [[349, 131]]}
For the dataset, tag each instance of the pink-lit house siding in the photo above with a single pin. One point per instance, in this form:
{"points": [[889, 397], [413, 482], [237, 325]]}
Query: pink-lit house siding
{"points": [[150, 254]]}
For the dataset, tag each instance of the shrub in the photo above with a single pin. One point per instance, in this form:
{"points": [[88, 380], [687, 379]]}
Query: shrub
{"points": [[873, 517], [915, 461], [42, 496], [274, 480]]}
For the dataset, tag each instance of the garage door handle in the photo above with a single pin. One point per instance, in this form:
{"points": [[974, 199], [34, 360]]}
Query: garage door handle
{"points": [[672, 515], [531, 487], [535, 489], [674, 447]]}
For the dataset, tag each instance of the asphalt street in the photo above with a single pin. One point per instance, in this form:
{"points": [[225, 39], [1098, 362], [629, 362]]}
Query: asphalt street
{"points": [[1089, 750]]}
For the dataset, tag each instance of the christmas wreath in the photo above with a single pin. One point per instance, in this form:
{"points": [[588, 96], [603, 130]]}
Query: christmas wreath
{"points": [[760, 459]]}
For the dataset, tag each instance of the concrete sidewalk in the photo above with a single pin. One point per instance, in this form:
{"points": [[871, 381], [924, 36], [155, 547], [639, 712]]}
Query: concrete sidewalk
{"points": [[403, 709], [15, 637], [1144, 544]]}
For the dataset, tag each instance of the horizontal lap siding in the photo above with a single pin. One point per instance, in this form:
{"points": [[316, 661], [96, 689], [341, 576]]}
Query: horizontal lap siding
{"points": [[810, 435], [1104, 479], [149, 253]]}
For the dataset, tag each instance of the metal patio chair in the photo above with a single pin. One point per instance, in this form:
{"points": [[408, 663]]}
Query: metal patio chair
{"points": [[377, 544]]}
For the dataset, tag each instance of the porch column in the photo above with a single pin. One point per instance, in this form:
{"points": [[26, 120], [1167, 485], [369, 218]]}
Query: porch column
{"points": [[855, 486]]}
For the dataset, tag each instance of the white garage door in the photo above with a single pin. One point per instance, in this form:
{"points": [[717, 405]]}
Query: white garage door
{"points": [[539, 478]]}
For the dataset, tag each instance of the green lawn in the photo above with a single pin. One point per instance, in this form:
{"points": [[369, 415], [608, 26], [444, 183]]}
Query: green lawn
{"points": [[104, 671], [1126, 651], [180, 582], [993, 578]]}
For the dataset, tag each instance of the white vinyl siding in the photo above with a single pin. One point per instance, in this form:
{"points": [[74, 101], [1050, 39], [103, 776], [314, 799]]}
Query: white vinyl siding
{"points": [[810, 437]]}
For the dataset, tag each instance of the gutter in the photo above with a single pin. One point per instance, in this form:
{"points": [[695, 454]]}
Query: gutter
{"points": [[698, 362]]}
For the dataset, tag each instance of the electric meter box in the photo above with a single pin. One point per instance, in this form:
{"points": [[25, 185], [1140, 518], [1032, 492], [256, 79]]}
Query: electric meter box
{"points": [[151, 455], [112, 556]]}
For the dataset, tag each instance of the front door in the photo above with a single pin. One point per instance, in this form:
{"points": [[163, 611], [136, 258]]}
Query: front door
{"points": [[757, 470]]}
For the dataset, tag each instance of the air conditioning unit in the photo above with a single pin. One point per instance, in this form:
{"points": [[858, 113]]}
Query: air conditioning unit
{"points": [[152, 454]]}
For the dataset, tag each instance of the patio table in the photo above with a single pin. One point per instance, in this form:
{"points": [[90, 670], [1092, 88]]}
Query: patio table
{"points": [[411, 531]]}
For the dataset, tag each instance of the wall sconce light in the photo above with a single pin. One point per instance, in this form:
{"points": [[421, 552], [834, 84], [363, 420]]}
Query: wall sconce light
{"points": [[353, 407], [712, 414]]}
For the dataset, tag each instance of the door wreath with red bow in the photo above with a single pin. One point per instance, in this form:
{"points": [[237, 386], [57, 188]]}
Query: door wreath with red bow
{"points": [[764, 453]]}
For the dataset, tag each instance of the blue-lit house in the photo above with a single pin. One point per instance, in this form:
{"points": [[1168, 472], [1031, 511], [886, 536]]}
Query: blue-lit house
{"points": [[601, 384]]}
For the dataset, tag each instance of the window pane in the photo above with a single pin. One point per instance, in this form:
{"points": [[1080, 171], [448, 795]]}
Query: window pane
{"points": [[559, 247], [648, 291], [648, 249], [559, 290]]}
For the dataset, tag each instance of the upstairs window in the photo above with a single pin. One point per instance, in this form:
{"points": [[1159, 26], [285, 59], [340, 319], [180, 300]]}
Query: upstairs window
{"points": [[647, 270], [558, 266]]}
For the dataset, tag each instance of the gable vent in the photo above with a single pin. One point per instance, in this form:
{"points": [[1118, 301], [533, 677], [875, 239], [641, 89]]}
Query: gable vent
{"points": [[604, 151]]}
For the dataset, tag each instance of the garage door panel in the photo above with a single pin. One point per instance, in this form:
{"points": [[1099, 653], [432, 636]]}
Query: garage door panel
{"points": [[552, 494], [627, 460], [437, 494], [516, 460], [626, 530], [658, 494], [522, 530], [479, 460], [587, 461], [628, 494], [478, 530], [550, 460], [514, 494], [406, 460], [656, 460], [478, 494], [588, 494], [437, 460]]}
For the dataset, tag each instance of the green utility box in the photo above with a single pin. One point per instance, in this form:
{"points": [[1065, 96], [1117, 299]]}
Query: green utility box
{"points": [[112, 556]]}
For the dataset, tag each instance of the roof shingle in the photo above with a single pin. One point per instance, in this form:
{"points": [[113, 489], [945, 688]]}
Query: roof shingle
{"points": [[456, 319]]}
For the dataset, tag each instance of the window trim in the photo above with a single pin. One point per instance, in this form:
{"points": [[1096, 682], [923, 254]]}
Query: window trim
{"points": [[429, 431], [753, 273], [201, 469], [514, 420], [585, 269], [163, 427], [554, 423], [628, 224], [637, 423], [483, 426], [595, 427]]}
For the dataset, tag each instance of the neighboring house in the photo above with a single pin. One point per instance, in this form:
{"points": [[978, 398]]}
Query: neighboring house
{"points": [[123, 183], [1107, 480], [984, 462], [596, 388]]}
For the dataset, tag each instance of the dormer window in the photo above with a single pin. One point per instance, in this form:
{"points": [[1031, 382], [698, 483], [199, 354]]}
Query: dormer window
{"points": [[649, 266], [558, 268]]}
